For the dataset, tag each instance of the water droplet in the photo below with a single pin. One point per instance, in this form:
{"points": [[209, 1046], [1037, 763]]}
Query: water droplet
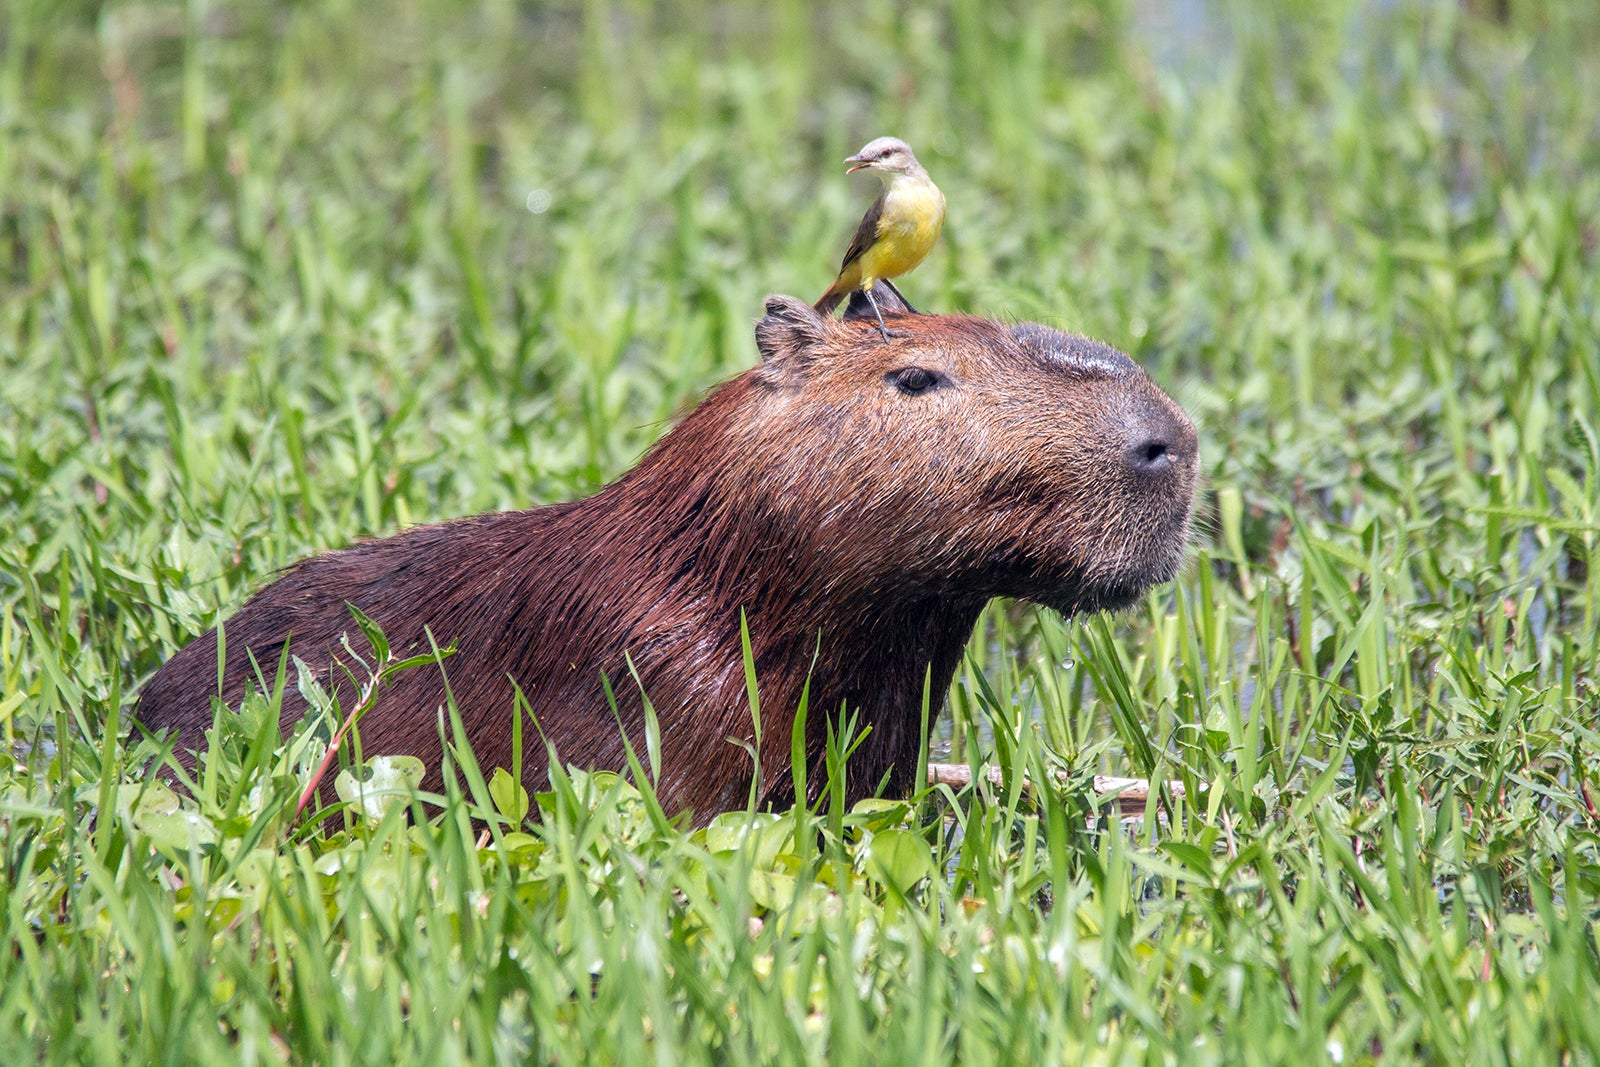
{"points": [[538, 201]]}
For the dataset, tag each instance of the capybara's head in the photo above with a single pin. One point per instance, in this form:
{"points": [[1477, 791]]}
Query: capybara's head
{"points": [[969, 458]]}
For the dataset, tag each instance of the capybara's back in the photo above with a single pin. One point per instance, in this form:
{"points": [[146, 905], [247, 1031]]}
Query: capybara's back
{"points": [[857, 500]]}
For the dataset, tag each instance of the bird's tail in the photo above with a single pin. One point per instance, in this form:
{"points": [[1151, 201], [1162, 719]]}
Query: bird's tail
{"points": [[831, 299]]}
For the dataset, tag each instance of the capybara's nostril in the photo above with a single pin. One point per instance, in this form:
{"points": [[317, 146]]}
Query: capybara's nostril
{"points": [[1151, 456], [1160, 441]]}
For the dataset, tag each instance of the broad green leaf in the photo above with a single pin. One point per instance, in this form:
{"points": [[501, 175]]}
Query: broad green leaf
{"points": [[389, 781]]}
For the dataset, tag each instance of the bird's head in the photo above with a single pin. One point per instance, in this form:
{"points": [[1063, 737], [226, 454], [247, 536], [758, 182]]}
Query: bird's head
{"points": [[888, 156]]}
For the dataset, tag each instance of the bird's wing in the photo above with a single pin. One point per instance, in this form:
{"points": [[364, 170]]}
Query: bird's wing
{"points": [[866, 233]]}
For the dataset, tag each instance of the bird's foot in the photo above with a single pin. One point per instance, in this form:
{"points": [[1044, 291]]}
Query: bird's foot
{"points": [[887, 333]]}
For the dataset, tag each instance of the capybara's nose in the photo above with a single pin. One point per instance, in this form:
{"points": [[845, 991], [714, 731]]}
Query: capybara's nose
{"points": [[1160, 442]]}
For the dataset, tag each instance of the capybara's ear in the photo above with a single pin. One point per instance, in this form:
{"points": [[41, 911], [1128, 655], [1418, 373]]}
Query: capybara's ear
{"points": [[788, 336]]}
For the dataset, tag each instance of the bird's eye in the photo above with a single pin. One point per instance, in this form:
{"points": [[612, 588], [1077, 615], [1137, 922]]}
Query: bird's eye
{"points": [[914, 381]]}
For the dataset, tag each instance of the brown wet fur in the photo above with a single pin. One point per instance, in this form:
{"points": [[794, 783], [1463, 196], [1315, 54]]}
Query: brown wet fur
{"points": [[812, 493]]}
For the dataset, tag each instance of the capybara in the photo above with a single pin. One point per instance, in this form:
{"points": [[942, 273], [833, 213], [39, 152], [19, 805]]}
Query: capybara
{"points": [[858, 499]]}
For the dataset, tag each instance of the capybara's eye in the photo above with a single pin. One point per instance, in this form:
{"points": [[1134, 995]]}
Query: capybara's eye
{"points": [[915, 380]]}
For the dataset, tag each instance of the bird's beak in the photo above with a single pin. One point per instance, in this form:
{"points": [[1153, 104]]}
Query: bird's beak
{"points": [[860, 164]]}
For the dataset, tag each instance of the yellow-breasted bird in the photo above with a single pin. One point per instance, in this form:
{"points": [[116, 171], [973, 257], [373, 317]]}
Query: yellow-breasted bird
{"points": [[898, 230]]}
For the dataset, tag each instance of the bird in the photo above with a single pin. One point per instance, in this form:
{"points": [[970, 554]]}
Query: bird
{"points": [[898, 230]]}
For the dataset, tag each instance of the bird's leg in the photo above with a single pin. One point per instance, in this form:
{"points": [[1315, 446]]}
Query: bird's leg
{"points": [[881, 327], [896, 291]]}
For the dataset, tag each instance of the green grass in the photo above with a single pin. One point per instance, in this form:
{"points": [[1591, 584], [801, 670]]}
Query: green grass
{"points": [[275, 276]]}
